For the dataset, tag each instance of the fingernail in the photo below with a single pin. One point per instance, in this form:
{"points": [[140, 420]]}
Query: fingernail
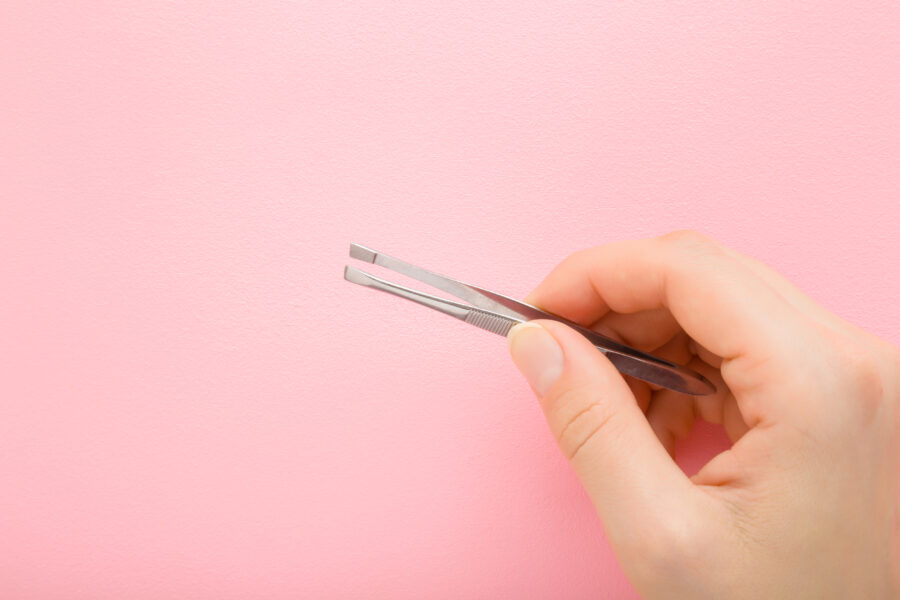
{"points": [[536, 354]]}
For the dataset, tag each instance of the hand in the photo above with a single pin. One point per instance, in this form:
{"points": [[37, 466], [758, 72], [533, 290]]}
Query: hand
{"points": [[804, 504]]}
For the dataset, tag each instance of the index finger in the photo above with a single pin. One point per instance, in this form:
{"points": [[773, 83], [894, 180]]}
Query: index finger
{"points": [[717, 301]]}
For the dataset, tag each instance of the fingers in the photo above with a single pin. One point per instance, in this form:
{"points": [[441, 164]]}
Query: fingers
{"points": [[671, 416], [705, 355], [719, 302], [643, 330], [600, 428]]}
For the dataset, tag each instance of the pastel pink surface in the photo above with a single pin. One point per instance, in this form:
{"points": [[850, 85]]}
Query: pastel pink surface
{"points": [[193, 403]]}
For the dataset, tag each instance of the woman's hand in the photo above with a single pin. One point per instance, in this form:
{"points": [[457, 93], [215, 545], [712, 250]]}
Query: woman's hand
{"points": [[804, 504]]}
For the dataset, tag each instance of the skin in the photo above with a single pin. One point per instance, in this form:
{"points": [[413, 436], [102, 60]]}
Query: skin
{"points": [[804, 504]]}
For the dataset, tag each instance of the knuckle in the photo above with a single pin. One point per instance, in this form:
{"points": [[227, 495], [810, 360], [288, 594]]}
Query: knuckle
{"points": [[691, 253], [577, 256], [865, 376], [862, 375], [580, 257], [691, 240]]}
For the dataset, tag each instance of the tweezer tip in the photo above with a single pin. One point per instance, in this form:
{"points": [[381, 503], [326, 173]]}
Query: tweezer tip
{"points": [[356, 276], [708, 386], [362, 253]]}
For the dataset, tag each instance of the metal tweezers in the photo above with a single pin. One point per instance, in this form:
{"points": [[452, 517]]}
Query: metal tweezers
{"points": [[497, 313]]}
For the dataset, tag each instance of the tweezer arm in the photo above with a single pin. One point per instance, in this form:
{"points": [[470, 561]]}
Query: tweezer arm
{"points": [[497, 313], [480, 318], [447, 284], [483, 299], [448, 307]]}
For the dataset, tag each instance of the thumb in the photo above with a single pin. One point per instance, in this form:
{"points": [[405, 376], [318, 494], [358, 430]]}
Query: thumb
{"points": [[601, 430]]}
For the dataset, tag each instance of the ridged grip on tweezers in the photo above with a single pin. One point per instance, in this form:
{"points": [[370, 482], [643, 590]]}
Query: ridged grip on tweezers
{"points": [[489, 322]]}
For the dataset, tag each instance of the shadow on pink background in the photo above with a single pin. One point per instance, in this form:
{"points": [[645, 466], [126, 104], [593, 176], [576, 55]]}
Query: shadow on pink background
{"points": [[194, 404]]}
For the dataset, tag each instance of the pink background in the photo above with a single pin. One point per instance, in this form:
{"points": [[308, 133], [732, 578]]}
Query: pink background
{"points": [[194, 404]]}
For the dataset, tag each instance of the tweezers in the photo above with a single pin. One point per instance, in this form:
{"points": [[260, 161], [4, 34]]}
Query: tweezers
{"points": [[497, 313]]}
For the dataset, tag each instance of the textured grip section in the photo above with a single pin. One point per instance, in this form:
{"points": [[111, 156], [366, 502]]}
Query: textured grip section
{"points": [[498, 325]]}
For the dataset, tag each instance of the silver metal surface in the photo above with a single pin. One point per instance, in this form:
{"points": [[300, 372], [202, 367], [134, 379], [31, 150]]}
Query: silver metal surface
{"points": [[451, 286], [498, 313]]}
